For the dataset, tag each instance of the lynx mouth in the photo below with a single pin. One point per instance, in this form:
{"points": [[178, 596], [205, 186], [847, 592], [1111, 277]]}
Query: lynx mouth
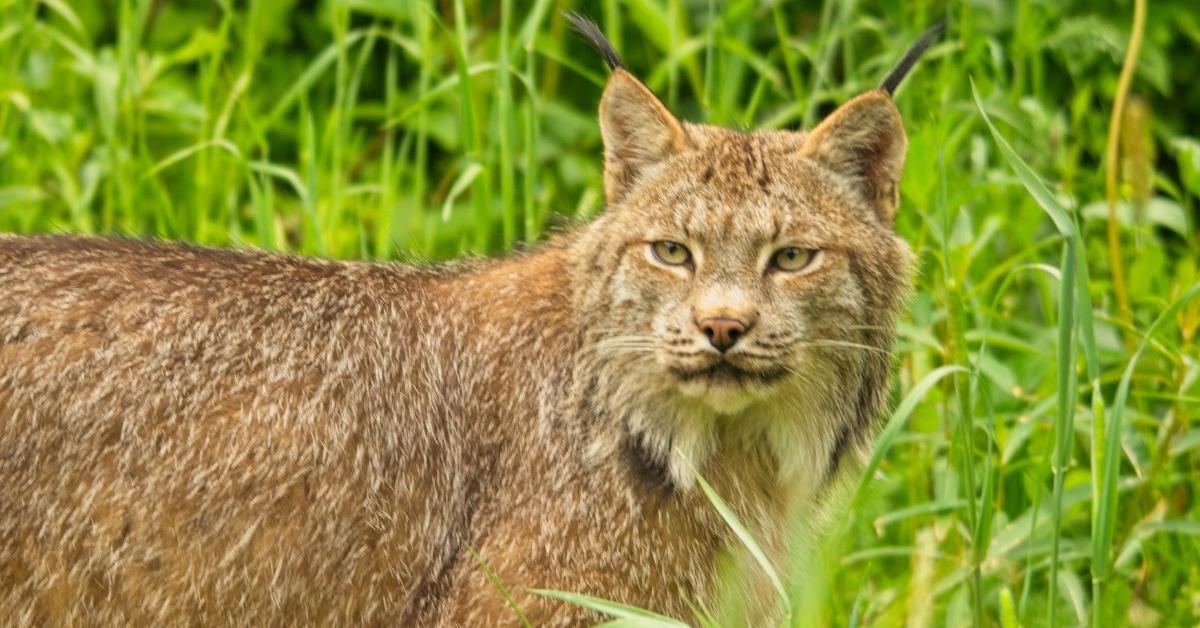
{"points": [[728, 374]]}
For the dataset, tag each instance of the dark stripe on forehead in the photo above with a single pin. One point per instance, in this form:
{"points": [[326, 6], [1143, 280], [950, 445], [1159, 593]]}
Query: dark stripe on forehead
{"points": [[685, 217], [727, 223], [764, 178], [753, 160]]}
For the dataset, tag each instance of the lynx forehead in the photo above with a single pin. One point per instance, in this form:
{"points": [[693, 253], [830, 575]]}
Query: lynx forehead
{"points": [[200, 436]]}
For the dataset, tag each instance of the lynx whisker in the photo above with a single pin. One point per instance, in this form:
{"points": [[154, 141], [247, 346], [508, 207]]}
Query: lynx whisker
{"points": [[618, 342], [840, 344], [758, 356], [824, 343], [686, 354], [801, 375]]}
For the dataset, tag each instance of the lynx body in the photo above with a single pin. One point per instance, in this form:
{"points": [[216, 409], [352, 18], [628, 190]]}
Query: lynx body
{"points": [[201, 436]]}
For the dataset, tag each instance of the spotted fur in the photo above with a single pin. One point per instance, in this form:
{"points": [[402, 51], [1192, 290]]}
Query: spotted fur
{"points": [[198, 436]]}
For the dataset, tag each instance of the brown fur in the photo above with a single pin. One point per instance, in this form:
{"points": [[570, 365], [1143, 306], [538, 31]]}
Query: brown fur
{"points": [[214, 437]]}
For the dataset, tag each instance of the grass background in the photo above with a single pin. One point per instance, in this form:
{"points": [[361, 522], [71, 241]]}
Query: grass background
{"points": [[1041, 465]]}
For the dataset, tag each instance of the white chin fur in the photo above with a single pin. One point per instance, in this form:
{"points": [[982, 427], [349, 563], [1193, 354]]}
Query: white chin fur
{"points": [[723, 398]]}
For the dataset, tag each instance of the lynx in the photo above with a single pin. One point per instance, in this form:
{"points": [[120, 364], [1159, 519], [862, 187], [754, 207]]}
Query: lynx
{"points": [[212, 437]]}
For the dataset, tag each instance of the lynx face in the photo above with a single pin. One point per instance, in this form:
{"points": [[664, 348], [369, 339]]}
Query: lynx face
{"points": [[734, 270], [742, 285]]}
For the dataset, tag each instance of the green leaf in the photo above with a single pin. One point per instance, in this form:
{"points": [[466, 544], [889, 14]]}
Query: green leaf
{"points": [[64, 11], [613, 609], [496, 582], [747, 540], [461, 183], [1042, 194], [899, 417], [1106, 519], [305, 81], [1158, 211], [188, 151]]}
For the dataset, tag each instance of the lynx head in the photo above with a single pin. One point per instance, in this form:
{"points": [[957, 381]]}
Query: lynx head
{"points": [[742, 284]]}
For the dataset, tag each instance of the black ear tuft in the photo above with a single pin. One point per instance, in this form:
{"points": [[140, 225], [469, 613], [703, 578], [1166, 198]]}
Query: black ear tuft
{"points": [[910, 58], [592, 33]]}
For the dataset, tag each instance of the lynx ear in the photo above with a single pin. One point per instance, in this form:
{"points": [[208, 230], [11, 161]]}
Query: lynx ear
{"points": [[864, 141], [638, 130]]}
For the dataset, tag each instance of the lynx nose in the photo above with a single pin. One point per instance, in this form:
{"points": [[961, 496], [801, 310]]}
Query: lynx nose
{"points": [[722, 333]]}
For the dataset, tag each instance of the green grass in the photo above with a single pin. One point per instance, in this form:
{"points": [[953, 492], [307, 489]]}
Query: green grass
{"points": [[1041, 465]]}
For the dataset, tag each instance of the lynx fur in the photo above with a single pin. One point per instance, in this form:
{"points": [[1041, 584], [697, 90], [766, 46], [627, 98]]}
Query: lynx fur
{"points": [[211, 437]]}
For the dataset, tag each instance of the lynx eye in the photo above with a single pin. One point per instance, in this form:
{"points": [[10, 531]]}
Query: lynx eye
{"points": [[792, 259], [671, 253]]}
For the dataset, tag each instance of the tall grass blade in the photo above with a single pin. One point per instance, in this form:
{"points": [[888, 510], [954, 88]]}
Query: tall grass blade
{"points": [[1106, 522], [1068, 291], [496, 582], [897, 421], [1037, 189], [461, 183], [641, 617], [308, 78], [747, 540]]}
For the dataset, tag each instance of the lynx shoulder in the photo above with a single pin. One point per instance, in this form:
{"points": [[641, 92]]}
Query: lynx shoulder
{"points": [[192, 435]]}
